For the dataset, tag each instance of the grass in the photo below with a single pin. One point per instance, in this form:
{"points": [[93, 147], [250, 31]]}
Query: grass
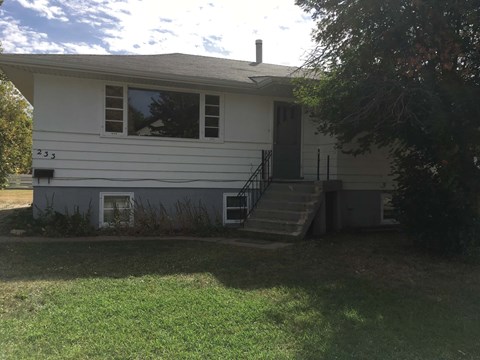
{"points": [[350, 297]]}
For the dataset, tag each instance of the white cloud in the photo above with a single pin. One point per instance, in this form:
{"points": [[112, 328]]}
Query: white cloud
{"points": [[236, 25], [45, 8], [223, 28], [17, 38], [22, 39]]}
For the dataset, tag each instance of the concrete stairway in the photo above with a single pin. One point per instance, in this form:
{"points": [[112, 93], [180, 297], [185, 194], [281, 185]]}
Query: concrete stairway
{"points": [[286, 209]]}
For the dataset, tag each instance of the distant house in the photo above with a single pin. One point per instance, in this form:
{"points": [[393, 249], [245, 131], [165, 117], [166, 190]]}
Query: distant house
{"points": [[113, 129]]}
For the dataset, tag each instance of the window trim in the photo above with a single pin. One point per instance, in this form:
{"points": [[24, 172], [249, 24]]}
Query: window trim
{"points": [[225, 208], [202, 94], [124, 109], [101, 212]]}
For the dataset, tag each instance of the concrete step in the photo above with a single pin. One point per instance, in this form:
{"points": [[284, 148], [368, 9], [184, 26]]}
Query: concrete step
{"points": [[290, 227], [272, 234], [276, 204], [286, 209], [282, 215], [289, 196], [300, 187]]}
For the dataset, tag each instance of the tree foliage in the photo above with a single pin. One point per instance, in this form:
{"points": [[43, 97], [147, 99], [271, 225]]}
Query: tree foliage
{"points": [[15, 132], [405, 74]]}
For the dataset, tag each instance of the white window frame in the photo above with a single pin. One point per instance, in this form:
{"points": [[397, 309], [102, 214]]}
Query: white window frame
{"points": [[382, 210], [201, 133], [225, 208], [101, 214], [125, 109], [203, 116]]}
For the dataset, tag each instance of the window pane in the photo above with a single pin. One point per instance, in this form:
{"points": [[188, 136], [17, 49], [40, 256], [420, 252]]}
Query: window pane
{"points": [[235, 201], [111, 202], [114, 126], [236, 214], [212, 110], [114, 90], [163, 113], [211, 121], [114, 115], [211, 132], [212, 99], [114, 103], [388, 209]]}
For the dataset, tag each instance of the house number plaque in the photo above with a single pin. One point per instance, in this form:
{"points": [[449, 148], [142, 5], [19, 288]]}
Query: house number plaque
{"points": [[45, 154]]}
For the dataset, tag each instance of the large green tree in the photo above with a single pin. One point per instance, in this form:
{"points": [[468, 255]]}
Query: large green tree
{"points": [[405, 74], [15, 132]]}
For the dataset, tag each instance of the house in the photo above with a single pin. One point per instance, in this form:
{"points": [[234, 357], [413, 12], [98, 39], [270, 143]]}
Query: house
{"points": [[113, 129]]}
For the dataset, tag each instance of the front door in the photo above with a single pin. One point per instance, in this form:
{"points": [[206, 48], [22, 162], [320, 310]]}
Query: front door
{"points": [[287, 140]]}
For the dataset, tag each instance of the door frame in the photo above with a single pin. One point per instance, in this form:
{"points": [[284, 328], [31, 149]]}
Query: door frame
{"points": [[287, 101]]}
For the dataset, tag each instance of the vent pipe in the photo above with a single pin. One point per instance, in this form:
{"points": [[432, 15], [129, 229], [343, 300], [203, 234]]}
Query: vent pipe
{"points": [[258, 46]]}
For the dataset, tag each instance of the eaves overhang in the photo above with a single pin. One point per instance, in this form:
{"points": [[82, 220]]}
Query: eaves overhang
{"points": [[20, 71]]}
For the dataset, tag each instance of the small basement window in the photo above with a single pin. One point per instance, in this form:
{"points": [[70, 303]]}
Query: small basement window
{"points": [[116, 209], [234, 208], [388, 210]]}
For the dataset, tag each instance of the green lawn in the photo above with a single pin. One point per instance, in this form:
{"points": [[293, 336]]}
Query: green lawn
{"points": [[350, 297]]}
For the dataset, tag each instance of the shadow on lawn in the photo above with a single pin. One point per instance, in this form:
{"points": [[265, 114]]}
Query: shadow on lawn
{"points": [[327, 306]]}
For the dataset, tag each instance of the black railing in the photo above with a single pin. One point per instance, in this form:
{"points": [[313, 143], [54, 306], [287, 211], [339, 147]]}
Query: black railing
{"points": [[256, 185]]}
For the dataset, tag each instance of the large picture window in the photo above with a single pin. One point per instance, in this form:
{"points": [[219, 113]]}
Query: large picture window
{"points": [[162, 113]]}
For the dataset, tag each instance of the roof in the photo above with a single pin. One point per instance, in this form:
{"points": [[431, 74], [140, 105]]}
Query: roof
{"points": [[173, 68]]}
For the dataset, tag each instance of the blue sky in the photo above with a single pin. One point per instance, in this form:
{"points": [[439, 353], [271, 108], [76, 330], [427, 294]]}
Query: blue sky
{"points": [[221, 28]]}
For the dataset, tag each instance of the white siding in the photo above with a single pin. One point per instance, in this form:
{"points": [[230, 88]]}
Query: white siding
{"points": [[68, 115], [312, 142], [248, 118], [365, 172]]}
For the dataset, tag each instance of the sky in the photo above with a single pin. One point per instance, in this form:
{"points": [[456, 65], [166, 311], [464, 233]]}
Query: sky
{"points": [[219, 28]]}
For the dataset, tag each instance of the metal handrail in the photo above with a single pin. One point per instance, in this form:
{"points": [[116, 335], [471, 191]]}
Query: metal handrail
{"points": [[256, 185]]}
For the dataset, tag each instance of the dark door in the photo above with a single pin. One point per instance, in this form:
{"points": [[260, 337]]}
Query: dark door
{"points": [[287, 141], [330, 211]]}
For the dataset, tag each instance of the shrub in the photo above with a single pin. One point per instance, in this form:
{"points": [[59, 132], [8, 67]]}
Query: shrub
{"points": [[441, 216], [186, 218], [53, 223]]}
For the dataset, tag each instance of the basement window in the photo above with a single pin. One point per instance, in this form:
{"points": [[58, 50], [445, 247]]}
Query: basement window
{"points": [[234, 208], [116, 209], [387, 210]]}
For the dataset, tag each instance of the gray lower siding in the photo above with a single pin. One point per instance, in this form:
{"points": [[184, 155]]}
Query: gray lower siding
{"points": [[360, 208], [65, 199], [353, 209]]}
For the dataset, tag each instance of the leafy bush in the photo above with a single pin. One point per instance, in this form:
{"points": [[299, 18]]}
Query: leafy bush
{"points": [[441, 216]]}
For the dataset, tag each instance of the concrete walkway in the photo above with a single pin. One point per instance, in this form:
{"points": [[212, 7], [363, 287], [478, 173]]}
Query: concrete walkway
{"points": [[244, 242]]}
